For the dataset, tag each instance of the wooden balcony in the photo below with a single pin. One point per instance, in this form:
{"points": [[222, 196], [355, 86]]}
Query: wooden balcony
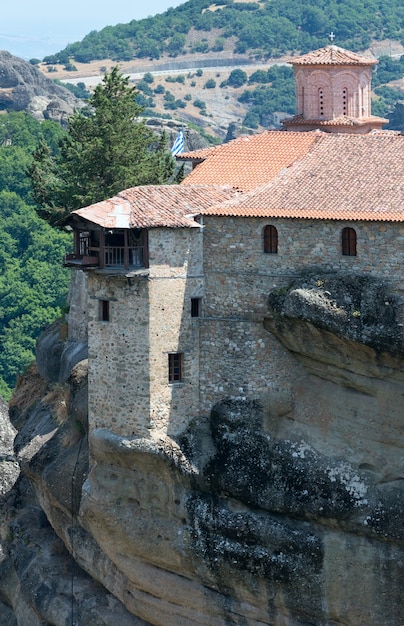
{"points": [[80, 260], [110, 256], [115, 256]]}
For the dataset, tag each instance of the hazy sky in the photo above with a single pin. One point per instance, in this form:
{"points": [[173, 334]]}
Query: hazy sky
{"points": [[36, 28]]}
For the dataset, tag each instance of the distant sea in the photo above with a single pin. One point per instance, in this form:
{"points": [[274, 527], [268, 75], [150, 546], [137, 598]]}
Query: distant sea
{"points": [[37, 40]]}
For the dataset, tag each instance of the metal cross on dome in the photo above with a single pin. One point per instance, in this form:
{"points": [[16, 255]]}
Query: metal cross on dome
{"points": [[331, 37]]}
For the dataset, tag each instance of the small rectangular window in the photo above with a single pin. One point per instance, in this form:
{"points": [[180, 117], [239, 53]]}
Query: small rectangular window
{"points": [[104, 310], [175, 367], [195, 307], [349, 242]]}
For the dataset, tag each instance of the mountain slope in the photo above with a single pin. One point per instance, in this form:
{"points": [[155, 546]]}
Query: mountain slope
{"points": [[262, 29]]}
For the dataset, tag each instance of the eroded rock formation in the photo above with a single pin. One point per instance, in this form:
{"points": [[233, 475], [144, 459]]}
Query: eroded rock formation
{"points": [[24, 88], [287, 514]]}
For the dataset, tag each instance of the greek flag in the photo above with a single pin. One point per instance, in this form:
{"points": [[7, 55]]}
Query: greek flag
{"points": [[179, 144]]}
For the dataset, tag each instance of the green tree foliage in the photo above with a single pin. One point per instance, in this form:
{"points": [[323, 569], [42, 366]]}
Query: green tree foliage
{"points": [[107, 149], [385, 100], [199, 104], [175, 45], [266, 99], [33, 283], [79, 90], [388, 69], [148, 78], [268, 27], [210, 83], [19, 135], [237, 78]]}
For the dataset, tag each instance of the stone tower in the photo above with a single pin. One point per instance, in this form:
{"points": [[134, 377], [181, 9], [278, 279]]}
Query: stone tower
{"points": [[333, 89]]}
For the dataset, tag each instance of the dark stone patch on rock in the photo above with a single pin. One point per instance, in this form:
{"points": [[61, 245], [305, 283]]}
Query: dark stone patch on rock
{"points": [[357, 307], [279, 475], [251, 541], [387, 517]]}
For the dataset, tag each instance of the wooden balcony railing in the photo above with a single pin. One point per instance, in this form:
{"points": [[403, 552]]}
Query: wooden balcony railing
{"points": [[119, 255], [114, 256]]}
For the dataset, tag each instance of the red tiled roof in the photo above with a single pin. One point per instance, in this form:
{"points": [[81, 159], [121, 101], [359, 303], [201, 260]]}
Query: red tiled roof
{"points": [[152, 206], [332, 55], [249, 161], [343, 177], [197, 155], [299, 120]]}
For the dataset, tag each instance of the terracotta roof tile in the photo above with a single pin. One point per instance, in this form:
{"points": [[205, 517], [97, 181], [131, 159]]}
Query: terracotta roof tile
{"points": [[332, 55], [197, 155], [344, 120], [343, 177], [152, 206], [249, 161]]}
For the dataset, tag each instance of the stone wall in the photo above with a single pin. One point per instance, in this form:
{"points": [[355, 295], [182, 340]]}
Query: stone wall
{"points": [[238, 358], [244, 275], [226, 353], [150, 317]]}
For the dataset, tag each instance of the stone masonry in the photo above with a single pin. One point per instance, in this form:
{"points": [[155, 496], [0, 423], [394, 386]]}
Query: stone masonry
{"points": [[129, 391], [226, 351]]}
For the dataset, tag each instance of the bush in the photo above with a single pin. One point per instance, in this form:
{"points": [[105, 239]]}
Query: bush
{"points": [[159, 89], [148, 78], [200, 46], [219, 44], [200, 104], [78, 90], [237, 78], [251, 120], [199, 73], [260, 76], [144, 86], [210, 84]]}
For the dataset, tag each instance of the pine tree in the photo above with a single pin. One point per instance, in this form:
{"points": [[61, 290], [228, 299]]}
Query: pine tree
{"points": [[107, 149]]}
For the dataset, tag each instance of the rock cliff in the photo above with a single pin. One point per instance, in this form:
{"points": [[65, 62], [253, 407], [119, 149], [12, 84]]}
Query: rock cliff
{"points": [[24, 88], [288, 514]]}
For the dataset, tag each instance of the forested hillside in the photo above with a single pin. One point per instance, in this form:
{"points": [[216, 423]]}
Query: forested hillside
{"points": [[33, 283], [264, 29], [253, 31]]}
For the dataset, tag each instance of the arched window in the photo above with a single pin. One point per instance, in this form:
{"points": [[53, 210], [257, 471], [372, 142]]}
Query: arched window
{"points": [[270, 240], [348, 241], [321, 102], [345, 102]]}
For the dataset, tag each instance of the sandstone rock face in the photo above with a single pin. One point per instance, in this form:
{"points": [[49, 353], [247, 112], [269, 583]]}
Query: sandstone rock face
{"points": [[288, 513], [24, 88]]}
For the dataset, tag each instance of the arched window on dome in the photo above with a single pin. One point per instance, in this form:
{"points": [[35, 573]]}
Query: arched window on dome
{"points": [[348, 241], [345, 101], [270, 240], [320, 102]]}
